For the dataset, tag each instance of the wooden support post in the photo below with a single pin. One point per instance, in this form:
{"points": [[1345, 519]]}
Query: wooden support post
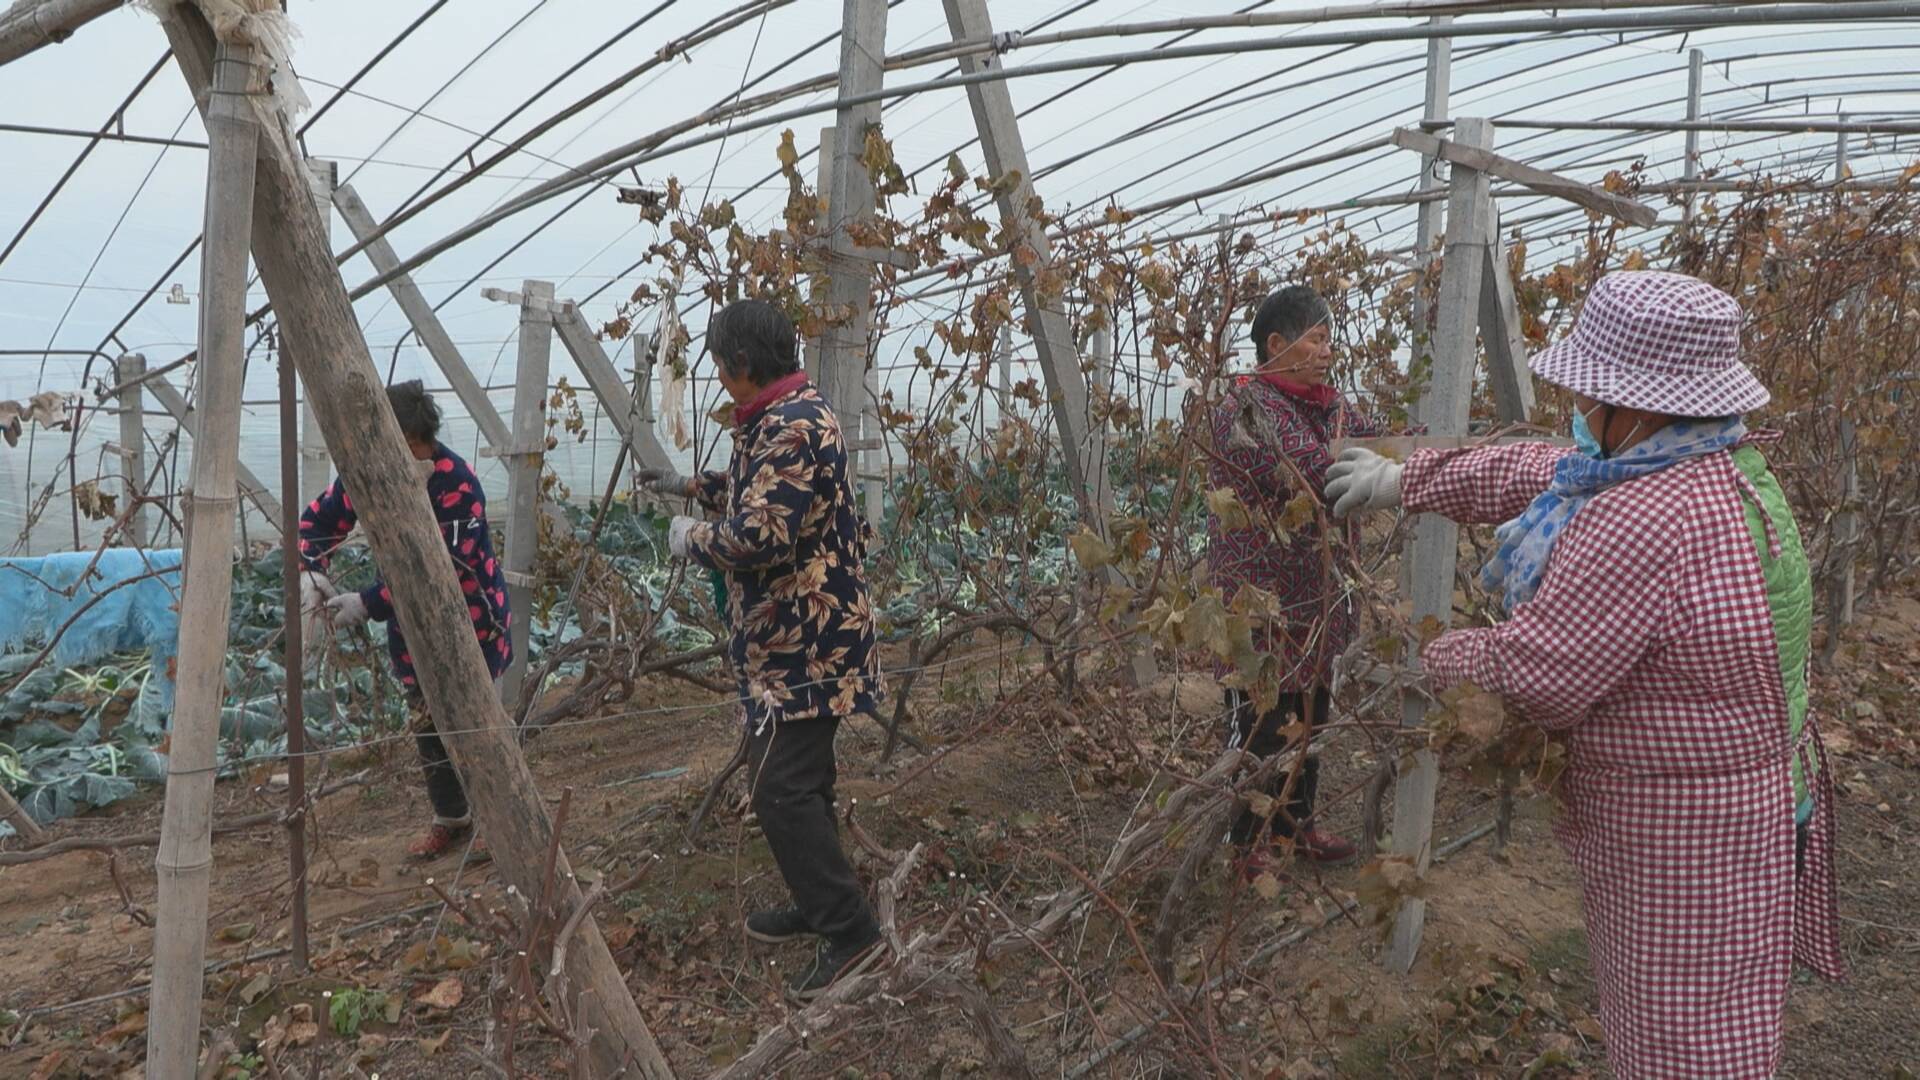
{"points": [[525, 459], [843, 351], [1102, 374], [604, 379], [184, 862], [133, 446], [812, 348], [872, 454], [316, 468], [1846, 524], [1083, 448], [1846, 532], [251, 487], [1003, 371], [845, 371], [1436, 544], [1841, 170], [1431, 214], [640, 409], [493, 430], [317, 318], [1690, 169]]}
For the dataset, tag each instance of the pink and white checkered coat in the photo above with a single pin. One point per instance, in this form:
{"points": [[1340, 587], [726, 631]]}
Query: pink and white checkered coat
{"points": [[1650, 645]]}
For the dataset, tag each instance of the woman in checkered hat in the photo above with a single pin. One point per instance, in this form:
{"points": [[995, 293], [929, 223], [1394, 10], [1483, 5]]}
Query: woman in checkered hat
{"points": [[1659, 610]]}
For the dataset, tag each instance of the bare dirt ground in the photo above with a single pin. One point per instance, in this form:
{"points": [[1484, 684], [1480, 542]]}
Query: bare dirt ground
{"points": [[1501, 988]]}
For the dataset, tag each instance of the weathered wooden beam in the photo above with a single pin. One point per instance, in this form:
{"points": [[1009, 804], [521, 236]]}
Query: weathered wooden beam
{"points": [[183, 865], [317, 317], [33, 24], [421, 315], [1431, 213], [604, 379], [1458, 151]]}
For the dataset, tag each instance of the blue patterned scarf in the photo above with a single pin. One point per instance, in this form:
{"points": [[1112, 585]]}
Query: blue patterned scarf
{"points": [[1526, 543]]}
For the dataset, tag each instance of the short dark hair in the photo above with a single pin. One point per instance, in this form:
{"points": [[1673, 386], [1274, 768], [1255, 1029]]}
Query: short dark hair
{"points": [[413, 406], [1289, 312], [754, 340]]}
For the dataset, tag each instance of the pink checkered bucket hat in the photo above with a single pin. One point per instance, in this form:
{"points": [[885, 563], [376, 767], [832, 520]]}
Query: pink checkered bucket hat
{"points": [[1666, 343]]}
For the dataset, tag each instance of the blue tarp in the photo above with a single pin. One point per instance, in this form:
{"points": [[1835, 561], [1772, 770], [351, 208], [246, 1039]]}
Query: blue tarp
{"points": [[39, 595]]}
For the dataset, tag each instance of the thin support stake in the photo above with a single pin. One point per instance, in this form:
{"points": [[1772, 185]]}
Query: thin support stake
{"points": [[294, 658], [524, 465], [133, 446]]}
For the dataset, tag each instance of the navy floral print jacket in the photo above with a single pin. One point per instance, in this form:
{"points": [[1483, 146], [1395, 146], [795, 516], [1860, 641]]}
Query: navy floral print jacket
{"points": [[793, 549], [461, 508]]}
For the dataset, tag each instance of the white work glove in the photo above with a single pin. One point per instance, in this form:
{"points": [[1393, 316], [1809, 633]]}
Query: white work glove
{"points": [[315, 622], [1363, 480], [346, 610], [677, 531], [315, 590], [666, 482]]}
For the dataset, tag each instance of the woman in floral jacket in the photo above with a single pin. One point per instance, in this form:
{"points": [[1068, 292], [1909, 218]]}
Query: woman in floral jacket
{"points": [[792, 547], [1270, 435]]}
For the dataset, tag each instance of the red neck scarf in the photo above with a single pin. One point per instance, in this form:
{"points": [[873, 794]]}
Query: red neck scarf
{"points": [[775, 390], [1323, 395]]}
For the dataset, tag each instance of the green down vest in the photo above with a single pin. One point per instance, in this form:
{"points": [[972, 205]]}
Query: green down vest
{"points": [[1789, 601]]}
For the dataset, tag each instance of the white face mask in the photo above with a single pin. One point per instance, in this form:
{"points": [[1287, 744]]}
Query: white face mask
{"points": [[423, 469]]}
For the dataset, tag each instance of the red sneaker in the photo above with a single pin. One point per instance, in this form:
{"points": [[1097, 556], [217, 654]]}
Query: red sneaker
{"points": [[438, 841], [1323, 847], [1255, 861]]}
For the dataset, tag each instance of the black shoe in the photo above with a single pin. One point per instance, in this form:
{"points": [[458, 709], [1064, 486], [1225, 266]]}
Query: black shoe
{"points": [[774, 927], [831, 964]]}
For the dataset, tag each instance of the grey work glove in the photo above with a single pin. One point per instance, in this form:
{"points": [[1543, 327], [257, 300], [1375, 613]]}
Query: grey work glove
{"points": [[348, 609], [1363, 480], [666, 482], [677, 531]]}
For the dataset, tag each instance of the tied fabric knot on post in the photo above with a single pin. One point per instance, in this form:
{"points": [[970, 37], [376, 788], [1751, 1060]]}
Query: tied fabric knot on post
{"points": [[261, 25]]}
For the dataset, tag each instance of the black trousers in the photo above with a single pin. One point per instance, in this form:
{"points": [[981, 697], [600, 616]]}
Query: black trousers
{"points": [[1260, 735], [444, 790], [790, 770]]}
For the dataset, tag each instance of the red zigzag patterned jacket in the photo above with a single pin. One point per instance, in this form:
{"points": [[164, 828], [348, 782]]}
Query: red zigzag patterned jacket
{"points": [[460, 506]]}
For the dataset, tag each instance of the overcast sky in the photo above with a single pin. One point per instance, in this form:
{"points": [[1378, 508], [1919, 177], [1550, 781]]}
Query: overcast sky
{"points": [[131, 209]]}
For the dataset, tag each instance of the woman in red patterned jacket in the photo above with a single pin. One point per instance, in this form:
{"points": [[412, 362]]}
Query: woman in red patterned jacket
{"points": [[1270, 435], [460, 506]]}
